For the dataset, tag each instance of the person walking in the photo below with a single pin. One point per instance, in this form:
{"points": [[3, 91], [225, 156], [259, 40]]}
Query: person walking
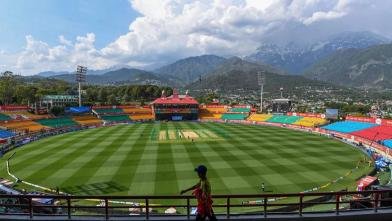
{"points": [[202, 192]]}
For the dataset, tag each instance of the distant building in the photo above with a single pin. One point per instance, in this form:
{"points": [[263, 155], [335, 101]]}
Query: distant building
{"points": [[176, 107], [281, 105], [59, 100]]}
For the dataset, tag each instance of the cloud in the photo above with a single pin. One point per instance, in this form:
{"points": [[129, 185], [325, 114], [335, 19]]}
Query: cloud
{"points": [[39, 56], [171, 29]]}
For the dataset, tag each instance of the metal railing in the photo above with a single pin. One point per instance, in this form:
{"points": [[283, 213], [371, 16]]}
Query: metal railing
{"points": [[263, 205]]}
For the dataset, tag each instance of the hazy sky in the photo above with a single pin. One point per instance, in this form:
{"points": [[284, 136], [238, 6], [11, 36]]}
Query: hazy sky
{"points": [[40, 35]]}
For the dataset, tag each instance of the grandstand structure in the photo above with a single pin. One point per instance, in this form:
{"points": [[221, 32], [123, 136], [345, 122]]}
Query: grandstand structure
{"points": [[175, 107]]}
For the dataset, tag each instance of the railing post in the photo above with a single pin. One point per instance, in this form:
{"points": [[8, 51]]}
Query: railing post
{"points": [[147, 210], [188, 208], [376, 202], [300, 204], [31, 207], [69, 207], [337, 204], [228, 207], [265, 206], [106, 209]]}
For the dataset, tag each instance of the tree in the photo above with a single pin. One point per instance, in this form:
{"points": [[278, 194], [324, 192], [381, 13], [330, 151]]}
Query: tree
{"points": [[8, 84], [112, 99]]}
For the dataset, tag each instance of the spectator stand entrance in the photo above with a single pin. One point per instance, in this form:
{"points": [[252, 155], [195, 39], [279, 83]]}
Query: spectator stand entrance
{"points": [[176, 107]]}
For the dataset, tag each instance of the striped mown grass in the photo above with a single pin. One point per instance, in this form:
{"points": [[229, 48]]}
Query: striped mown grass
{"points": [[131, 159]]}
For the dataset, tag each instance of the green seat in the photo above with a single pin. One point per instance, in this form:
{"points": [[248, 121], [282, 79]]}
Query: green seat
{"points": [[58, 122], [284, 119], [240, 109], [4, 117], [109, 110], [116, 118], [233, 116]]}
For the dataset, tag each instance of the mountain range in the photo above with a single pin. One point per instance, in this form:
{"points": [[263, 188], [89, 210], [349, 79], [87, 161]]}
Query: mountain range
{"points": [[236, 73], [295, 59], [370, 67], [358, 57], [118, 77]]}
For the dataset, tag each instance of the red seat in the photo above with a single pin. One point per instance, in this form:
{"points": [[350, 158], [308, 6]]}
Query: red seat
{"points": [[375, 133]]}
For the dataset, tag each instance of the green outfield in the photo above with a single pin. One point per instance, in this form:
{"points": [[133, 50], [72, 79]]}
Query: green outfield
{"points": [[159, 158]]}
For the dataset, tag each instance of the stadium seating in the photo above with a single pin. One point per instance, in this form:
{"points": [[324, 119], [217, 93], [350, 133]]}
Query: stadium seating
{"points": [[284, 119], [375, 133], [348, 126], [239, 110], [210, 116], [86, 120], [259, 117], [57, 122], [24, 115], [215, 110], [6, 134], [116, 118], [234, 116], [142, 116], [23, 125], [109, 111], [310, 122], [4, 117], [388, 143], [139, 113], [137, 110]]}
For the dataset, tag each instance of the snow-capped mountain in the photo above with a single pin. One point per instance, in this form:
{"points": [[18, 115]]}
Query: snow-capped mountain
{"points": [[295, 59]]}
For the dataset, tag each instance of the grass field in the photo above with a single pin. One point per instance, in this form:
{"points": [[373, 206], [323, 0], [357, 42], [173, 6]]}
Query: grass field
{"points": [[159, 158]]}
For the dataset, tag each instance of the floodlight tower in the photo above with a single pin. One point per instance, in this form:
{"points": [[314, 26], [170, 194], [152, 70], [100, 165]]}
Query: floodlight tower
{"points": [[80, 77], [281, 92], [261, 79]]}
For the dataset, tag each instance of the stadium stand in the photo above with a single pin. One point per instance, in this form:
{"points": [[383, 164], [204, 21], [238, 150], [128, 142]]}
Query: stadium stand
{"points": [[348, 126], [259, 117], [210, 116], [108, 111], [212, 113], [375, 133], [137, 110], [229, 116], [142, 116], [57, 122], [284, 119], [214, 109], [6, 134], [239, 110], [310, 122], [24, 115], [388, 143], [86, 120], [116, 118], [139, 113], [4, 117], [22, 126]]}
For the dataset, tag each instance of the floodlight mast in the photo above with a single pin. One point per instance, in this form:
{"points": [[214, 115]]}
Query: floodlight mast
{"points": [[261, 79], [80, 77]]}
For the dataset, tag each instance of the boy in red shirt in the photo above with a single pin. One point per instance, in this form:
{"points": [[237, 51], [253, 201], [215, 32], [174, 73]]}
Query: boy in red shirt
{"points": [[202, 192]]}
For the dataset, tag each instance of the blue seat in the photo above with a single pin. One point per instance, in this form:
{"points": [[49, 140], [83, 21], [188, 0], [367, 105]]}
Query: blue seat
{"points": [[388, 143], [348, 126], [6, 134]]}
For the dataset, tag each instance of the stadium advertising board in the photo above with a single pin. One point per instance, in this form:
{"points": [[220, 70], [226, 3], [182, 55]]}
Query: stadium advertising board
{"points": [[386, 122], [378, 121], [361, 119], [306, 114], [331, 113], [13, 107]]}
